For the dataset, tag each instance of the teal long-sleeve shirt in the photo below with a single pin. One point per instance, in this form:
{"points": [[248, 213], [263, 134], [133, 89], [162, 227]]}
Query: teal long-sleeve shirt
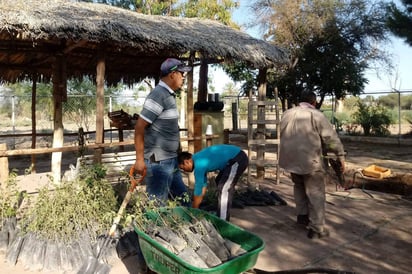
{"points": [[209, 159]]}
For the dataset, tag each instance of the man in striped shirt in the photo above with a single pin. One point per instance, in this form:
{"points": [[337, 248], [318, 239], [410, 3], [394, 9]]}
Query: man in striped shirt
{"points": [[157, 135]]}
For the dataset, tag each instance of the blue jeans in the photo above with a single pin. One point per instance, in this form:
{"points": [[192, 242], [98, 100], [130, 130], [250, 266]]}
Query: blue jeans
{"points": [[164, 180]]}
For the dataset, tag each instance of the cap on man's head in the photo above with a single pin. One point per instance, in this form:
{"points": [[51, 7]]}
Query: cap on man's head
{"points": [[172, 64]]}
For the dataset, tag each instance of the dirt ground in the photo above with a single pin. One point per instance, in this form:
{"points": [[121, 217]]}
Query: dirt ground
{"points": [[370, 231]]}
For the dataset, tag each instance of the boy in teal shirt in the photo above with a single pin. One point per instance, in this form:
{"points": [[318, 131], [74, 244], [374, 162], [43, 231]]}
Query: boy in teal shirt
{"points": [[229, 160]]}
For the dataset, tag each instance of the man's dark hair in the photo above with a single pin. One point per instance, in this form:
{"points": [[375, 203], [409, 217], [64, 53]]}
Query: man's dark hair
{"points": [[308, 97], [182, 156]]}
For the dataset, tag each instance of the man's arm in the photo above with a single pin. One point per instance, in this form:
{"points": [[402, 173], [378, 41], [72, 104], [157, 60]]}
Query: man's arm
{"points": [[332, 141], [139, 129], [197, 200]]}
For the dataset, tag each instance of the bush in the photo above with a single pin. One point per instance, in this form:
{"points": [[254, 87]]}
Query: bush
{"points": [[10, 198], [86, 205], [374, 119], [341, 119]]}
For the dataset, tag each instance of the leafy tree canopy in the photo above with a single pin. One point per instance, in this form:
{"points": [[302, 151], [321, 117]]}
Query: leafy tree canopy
{"points": [[219, 10], [400, 21], [330, 44]]}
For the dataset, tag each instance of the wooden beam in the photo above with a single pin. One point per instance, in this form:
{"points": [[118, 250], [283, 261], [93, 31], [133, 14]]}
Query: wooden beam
{"points": [[27, 151]]}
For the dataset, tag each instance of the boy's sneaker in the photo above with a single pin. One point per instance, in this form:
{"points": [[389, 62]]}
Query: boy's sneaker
{"points": [[312, 234]]}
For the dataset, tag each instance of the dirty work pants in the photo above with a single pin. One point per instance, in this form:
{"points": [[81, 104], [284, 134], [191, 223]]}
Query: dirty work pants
{"points": [[309, 194], [226, 181]]}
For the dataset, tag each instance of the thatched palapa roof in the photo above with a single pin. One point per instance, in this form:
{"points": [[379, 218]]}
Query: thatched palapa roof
{"points": [[33, 32]]}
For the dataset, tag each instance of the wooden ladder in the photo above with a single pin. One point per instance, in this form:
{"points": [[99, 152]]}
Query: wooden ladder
{"points": [[260, 139]]}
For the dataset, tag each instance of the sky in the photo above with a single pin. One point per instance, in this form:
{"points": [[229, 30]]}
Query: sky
{"points": [[401, 52]]}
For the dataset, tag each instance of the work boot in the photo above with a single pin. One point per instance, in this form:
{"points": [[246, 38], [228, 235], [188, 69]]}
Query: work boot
{"points": [[312, 234], [303, 220]]}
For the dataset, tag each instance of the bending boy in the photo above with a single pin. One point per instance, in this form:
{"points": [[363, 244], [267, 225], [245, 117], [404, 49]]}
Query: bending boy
{"points": [[229, 160]]}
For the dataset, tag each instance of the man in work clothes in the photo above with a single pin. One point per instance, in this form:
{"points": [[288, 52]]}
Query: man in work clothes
{"points": [[229, 160], [305, 136], [157, 137]]}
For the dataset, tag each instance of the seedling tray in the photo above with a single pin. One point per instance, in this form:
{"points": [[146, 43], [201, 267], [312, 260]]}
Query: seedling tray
{"points": [[159, 259]]}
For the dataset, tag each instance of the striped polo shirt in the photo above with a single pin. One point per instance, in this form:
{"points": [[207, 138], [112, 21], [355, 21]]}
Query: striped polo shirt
{"points": [[161, 137]]}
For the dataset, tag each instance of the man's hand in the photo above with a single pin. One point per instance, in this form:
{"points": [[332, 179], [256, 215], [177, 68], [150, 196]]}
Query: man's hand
{"points": [[140, 167], [339, 167]]}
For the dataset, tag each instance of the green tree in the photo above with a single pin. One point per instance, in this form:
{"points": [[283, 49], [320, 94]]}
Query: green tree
{"points": [[390, 100], [219, 10], [330, 44], [240, 72], [22, 92], [155, 7], [400, 21], [127, 4], [229, 90], [81, 101]]}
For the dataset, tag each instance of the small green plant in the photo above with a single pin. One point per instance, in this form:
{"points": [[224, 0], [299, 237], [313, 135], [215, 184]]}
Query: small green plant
{"points": [[410, 123], [87, 205], [142, 204], [91, 174], [10, 198]]}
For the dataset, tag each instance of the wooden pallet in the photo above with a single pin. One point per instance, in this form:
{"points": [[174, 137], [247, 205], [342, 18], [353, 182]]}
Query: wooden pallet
{"points": [[117, 165]]}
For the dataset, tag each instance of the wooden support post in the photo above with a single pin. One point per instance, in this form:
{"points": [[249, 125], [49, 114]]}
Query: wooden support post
{"points": [[33, 122], [260, 134], [59, 94], [202, 85], [209, 140], [121, 139], [226, 133], [4, 165], [189, 105], [100, 72]]}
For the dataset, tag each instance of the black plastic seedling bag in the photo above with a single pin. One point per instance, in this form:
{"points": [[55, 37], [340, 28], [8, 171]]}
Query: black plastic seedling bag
{"points": [[7, 233], [52, 257], [36, 262], [27, 249], [14, 250], [93, 266], [4, 241]]}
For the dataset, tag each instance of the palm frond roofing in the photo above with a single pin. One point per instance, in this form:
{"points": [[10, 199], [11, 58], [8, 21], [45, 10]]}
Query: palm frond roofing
{"points": [[33, 32]]}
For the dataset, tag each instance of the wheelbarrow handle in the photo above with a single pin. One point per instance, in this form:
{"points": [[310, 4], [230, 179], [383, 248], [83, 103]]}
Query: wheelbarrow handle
{"points": [[133, 183]]}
